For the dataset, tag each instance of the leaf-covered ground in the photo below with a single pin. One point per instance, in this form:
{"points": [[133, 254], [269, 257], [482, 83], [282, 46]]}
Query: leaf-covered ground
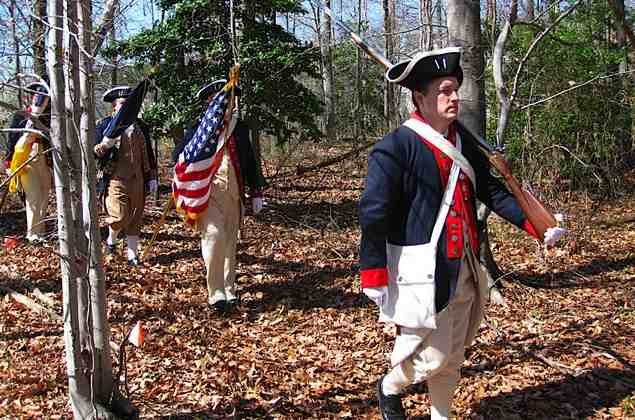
{"points": [[305, 344]]}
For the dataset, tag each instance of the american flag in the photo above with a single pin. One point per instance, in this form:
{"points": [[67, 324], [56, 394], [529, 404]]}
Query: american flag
{"points": [[199, 161]]}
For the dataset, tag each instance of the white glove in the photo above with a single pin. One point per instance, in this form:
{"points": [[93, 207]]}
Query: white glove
{"points": [[257, 203], [552, 235], [153, 185], [376, 294], [102, 148], [109, 143]]}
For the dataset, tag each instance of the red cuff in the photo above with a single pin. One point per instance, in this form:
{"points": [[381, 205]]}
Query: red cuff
{"points": [[374, 277], [529, 228]]}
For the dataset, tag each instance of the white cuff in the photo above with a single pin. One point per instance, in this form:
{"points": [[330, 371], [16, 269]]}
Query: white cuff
{"points": [[109, 143], [552, 235]]}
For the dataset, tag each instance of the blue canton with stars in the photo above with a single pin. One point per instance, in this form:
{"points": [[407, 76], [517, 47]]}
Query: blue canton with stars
{"points": [[205, 140]]}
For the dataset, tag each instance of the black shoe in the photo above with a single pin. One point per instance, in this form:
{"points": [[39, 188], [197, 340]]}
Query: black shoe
{"points": [[219, 307], [390, 406], [133, 262], [234, 302], [232, 305]]}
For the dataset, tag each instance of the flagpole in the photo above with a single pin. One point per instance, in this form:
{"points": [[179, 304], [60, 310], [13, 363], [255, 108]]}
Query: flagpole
{"points": [[166, 209]]}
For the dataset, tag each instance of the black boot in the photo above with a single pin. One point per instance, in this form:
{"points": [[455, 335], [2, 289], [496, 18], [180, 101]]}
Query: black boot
{"points": [[219, 308], [390, 406]]}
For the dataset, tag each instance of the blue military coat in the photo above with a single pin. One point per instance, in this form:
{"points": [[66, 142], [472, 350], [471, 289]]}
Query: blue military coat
{"points": [[402, 197]]}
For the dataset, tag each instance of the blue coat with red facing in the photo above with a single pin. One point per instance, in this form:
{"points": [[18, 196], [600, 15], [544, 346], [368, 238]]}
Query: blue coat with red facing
{"points": [[406, 180]]}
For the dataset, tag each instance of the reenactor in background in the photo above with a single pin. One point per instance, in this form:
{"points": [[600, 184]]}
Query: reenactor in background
{"points": [[127, 171], [35, 179], [219, 224]]}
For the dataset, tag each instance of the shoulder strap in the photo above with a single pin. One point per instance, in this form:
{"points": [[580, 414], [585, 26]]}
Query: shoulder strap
{"points": [[431, 135]]}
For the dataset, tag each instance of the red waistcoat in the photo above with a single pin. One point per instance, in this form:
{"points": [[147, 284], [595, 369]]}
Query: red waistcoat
{"points": [[462, 211]]}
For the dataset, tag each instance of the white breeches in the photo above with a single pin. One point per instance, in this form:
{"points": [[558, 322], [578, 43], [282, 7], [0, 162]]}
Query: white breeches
{"points": [[36, 184], [219, 233], [441, 351]]}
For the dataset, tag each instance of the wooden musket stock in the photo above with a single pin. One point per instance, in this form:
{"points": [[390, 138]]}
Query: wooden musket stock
{"points": [[538, 215]]}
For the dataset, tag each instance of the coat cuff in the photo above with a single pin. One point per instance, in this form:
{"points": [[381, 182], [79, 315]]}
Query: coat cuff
{"points": [[374, 277], [529, 228]]}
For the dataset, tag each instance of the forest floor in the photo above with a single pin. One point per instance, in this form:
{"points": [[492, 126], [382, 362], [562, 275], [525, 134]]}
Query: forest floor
{"points": [[305, 343]]}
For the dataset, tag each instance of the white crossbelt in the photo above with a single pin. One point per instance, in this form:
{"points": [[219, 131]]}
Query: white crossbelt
{"points": [[430, 134]]}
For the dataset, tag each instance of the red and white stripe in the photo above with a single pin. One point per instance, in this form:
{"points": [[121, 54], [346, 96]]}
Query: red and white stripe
{"points": [[191, 186]]}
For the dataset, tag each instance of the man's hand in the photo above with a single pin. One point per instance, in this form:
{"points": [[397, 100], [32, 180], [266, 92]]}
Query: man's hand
{"points": [[376, 294], [257, 203], [553, 235], [102, 148]]}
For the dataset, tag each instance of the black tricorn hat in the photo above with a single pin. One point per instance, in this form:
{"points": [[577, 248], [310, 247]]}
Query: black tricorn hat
{"points": [[426, 66], [39, 87], [212, 88], [116, 93]]}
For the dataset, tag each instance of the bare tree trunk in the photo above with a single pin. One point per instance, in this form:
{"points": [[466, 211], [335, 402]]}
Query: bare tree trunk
{"points": [[74, 171], [327, 75], [490, 19], [85, 329], [106, 24], [390, 109], [464, 29], [359, 119], [115, 61], [425, 17], [102, 384], [78, 382], [38, 38], [530, 6], [16, 47], [626, 133], [499, 82]]}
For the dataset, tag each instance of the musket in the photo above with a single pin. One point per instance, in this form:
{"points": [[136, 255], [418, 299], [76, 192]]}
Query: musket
{"points": [[538, 215]]}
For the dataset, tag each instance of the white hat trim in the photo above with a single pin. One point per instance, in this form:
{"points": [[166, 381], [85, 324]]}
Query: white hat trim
{"points": [[224, 81], [419, 56], [103, 98]]}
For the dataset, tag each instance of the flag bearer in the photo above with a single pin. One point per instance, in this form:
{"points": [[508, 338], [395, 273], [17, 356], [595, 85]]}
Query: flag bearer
{"points": [[215, 172]]}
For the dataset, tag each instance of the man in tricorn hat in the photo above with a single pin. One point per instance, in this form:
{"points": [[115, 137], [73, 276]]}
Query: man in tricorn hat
{"points": [[128, 170], [35, 178], [237, 182], [419, 242]]}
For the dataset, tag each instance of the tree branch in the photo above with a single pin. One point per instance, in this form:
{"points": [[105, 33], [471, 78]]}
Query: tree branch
{"points": [[105, 25], [606, 76], [534, 44]]}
